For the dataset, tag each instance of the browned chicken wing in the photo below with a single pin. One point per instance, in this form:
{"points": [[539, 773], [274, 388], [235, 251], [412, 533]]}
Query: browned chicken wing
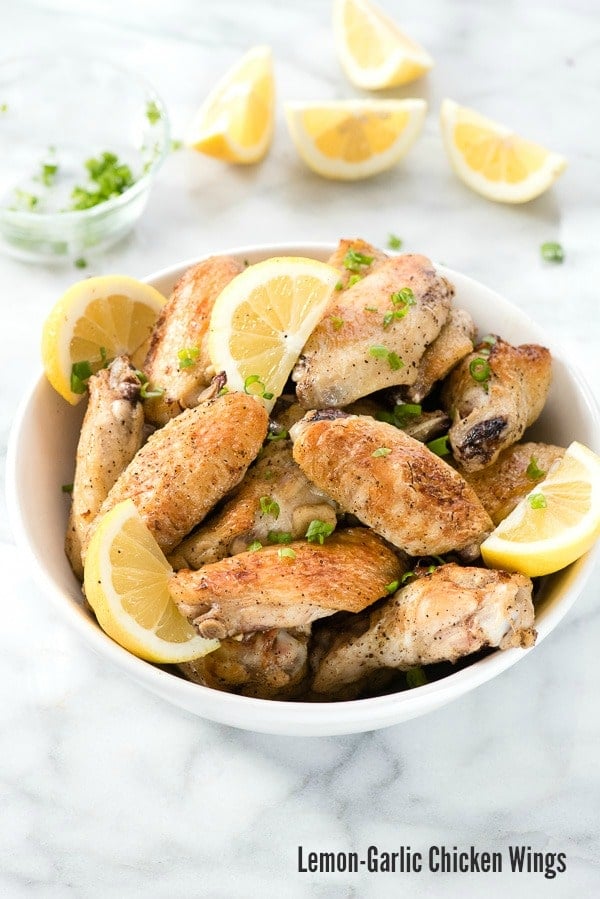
{"points": [[442, 616], [183, 326], [286, 586], [111, 434], [492, 396], [391, 482], [268, 665], [186, 467], [516, 471], [452, 344], [373, 334]]}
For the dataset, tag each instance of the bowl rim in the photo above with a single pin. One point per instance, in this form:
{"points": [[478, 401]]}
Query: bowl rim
{"points": [[23, 217], [286, 716]]}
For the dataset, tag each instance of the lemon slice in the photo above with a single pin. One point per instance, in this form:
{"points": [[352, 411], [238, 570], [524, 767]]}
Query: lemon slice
{"points": [[94, 321], [373, 51], [235, 123], [263, 318], [126, 583], [351, 139], [493, 160], [554, 524]]}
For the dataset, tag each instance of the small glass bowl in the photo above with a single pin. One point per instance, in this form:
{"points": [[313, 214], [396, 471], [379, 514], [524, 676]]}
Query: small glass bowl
{"points": [[60, 112]]}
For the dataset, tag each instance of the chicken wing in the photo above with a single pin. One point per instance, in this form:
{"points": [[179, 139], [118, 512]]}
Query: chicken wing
{"points": [[492, 396], [186, 467], [452, 344], [442, 616], [373, 334], [348, 263], [267, 665], [183, 326], [111, 434], [286, 587], [391, 482], [516, 471]]}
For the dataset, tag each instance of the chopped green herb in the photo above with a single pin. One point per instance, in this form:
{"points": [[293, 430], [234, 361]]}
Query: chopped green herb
{"points": [[188, 356], [3, 107], [339, 285], [318, 530], [381, 451], [489, 339], [371, 309], [404, 411], [354, 279], [153, 113], [403, 297], [534, 473], [405, 577], [381, 352], [146, 391], [267, 395], [395, 362], [252, 547], [431, 569], [80, 374], [110, 178], [392, 586], [268, 506], [176, 145], [440, 446], [80, 263], [337, 322], [538, 501], [286, 552], [48, 173], [480, 371], [552, 252], [279, 537], [223, 391], [353, 260], [279, 435], [415, 677], [67, 488], [25, 200], [258, 388], [394, 243]]}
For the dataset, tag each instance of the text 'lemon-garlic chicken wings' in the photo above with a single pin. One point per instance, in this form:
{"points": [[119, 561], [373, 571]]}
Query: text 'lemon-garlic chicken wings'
{"points": [[492, 396], [441, 616], [111, 434], [178, 360], [391, 482], [373, 333], [286, 586], [189, 465]]}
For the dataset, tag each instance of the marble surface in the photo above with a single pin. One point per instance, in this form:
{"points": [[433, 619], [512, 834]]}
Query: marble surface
{"points": [[108, 791]]}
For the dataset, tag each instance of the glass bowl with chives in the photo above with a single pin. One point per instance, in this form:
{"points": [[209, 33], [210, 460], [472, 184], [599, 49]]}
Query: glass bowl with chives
{"points": [[81, 141]]}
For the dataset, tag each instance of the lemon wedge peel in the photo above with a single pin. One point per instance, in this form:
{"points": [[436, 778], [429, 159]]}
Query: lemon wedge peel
{"points": [[126, 580], [555, 524], [494, 161], [95, 320], [349, 140]]}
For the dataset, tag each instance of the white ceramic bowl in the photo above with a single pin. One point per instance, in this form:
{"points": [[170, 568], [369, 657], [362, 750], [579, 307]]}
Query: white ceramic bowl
{"points": [[41, 459]]}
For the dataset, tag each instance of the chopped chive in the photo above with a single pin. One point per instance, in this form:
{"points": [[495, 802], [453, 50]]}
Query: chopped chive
{"points": [[394, 242], [25, 200], [67, 488], [153, 113], [440, 446], [110, 178], [403, 411], [279, 537], [80, 374], [280, 435], [353, 260], [354, 279], [3, 107], [403, 297], [552, 252], [318, 530], [392, 586], [259, 389], [395, 362], [538, 501], [268, 506], [388, 318], [379, 352], [415, 677], [406, 576], [267, 395], [393, 359], [48, 173], [188, 356], [480, 371], [146, 391], [381, 451], [337, 322], [252, 547], [489, 339], [534, 473], [339, 285], [176, 145], [286, 552], [80, 263], [371, 309], [223, 391]]}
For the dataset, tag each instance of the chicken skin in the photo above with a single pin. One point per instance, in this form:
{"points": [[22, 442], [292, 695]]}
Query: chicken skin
{"points": [[286, 586], [516, 471], [111, 434], [182, 327], [373, 334], [270, 664], [186, 467], [492, 396], [441, 616], [391, 482], [452, 344], [342, 259]]}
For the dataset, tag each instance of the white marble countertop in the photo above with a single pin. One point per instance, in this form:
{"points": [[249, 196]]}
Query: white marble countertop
{"points": [[108, 791]]}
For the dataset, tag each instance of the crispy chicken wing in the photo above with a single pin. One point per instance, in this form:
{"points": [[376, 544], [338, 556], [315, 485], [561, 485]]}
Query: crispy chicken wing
{"points": [[492, 396], [442, 616], [516, 471], [183, 325], [391, 482], [341, 259], [286, 586], [373, 335], [186, 467], [111, 434], [452, 344], [268, 665]]}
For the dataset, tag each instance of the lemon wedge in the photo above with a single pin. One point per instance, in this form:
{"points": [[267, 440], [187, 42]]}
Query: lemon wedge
{"points": [[351, 139], [493, 160], [235, 123], [373, 51], [263, 318], [554, 524], [126, 582], [94, 321]]}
